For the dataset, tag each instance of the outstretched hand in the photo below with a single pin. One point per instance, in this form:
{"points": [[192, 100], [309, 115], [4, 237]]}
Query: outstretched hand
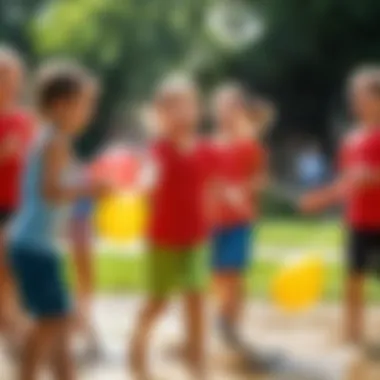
{"points": [[311, 203], [323, 198]]}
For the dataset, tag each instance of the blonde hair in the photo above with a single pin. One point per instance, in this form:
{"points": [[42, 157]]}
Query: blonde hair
{"points": [[366, 77], [170, 87], [175, 85]]}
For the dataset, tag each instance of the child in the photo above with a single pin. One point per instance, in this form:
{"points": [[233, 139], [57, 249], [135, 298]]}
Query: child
{"points": [[241, 174], [81, 239], [176, 183], [15, 135], [80, 230], [358, 187], [66, 96]]}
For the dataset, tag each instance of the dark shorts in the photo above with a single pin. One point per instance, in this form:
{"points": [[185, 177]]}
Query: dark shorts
{"points": [[363, 251], [5, 215], [231, 248], [40, 281]]}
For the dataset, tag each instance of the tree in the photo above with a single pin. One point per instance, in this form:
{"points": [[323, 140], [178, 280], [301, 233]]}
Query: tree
{"points": [[305, 56], [130, 44]]}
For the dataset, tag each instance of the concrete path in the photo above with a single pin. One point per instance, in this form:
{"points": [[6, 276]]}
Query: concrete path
{"points": [[312, 340]]}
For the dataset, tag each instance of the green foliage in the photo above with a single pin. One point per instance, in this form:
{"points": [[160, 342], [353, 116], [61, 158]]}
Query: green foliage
{"points": [[302, 59], [131, 44]]}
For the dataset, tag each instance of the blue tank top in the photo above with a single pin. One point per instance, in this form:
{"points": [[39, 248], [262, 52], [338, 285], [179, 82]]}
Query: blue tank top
{"points": [[37, 220]]}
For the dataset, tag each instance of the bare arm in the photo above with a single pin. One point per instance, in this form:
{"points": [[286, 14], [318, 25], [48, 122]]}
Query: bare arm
{"points": [[260, 181], [261, 176], [321, 199], [148, 177], [363, 177], [55, 160]]}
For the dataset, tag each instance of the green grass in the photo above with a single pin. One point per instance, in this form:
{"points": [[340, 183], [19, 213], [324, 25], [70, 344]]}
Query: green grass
{"points": [[302, 233], [125, 274]]}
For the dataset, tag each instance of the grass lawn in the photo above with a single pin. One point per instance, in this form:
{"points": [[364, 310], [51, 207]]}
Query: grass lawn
{"points": [[125, 273]]}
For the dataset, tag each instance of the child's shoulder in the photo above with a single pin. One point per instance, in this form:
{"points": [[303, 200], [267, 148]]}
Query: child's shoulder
{"points": [[353, 138], [252, 147], [24, 116], [53, 143]]}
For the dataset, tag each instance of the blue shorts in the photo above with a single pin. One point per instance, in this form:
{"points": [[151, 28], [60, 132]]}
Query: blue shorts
{"points": [[40, 281], [83, 208], [231, 248]]}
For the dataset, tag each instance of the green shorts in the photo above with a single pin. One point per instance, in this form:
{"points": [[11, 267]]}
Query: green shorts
{"points": [[176, 270]]}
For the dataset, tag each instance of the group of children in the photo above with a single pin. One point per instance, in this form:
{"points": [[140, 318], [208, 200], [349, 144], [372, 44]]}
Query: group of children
{"points": [[197, 190], [201, 190], [202, 194]]}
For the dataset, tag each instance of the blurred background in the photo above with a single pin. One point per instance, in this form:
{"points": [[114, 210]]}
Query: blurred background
{"points": [[296, 53]]}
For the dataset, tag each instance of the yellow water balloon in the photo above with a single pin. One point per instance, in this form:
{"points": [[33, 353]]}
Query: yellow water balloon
{"points": [[299, 285], [121, 217]]}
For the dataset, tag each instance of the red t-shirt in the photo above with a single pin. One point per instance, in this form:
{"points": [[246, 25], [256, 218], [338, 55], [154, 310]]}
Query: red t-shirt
{"points": [[362, 149], [16, 130], [177, 205], [236, 166]]}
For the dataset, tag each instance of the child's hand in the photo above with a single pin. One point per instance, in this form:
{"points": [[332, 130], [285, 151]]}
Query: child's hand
{"points": [[309, 203], [100, 189], [362, 176]]}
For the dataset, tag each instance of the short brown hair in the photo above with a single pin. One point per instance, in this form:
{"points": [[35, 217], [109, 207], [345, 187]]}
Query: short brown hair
{"points": [[59, 81]]}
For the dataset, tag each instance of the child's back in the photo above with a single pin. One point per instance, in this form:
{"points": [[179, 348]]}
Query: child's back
{"points": [[36, 221]]}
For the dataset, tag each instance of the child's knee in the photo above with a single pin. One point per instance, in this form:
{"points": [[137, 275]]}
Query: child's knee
{"points": [[53, 326], [154, 308]]}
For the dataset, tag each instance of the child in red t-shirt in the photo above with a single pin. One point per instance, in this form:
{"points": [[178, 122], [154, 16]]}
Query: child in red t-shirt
{"points": [[15, 134], [358, 187], [176, 181], [241, 173]]}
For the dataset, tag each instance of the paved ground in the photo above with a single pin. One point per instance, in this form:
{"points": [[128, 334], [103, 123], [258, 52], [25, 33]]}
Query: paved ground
{"points": [[313, 339]]}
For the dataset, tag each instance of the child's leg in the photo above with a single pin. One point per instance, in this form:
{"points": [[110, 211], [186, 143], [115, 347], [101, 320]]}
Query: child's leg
{"points": [[12, 323], [194, 269], [39, 277], [146, 321], [83, 263], [361, 245], [230, 294], [62, 364], [39, 343], [354, 307], [195, 328], [162, 269], [231, 251]]}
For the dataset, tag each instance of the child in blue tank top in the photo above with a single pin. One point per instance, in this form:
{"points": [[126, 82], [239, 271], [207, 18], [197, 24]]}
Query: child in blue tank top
{"points": [[66, 97]]}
